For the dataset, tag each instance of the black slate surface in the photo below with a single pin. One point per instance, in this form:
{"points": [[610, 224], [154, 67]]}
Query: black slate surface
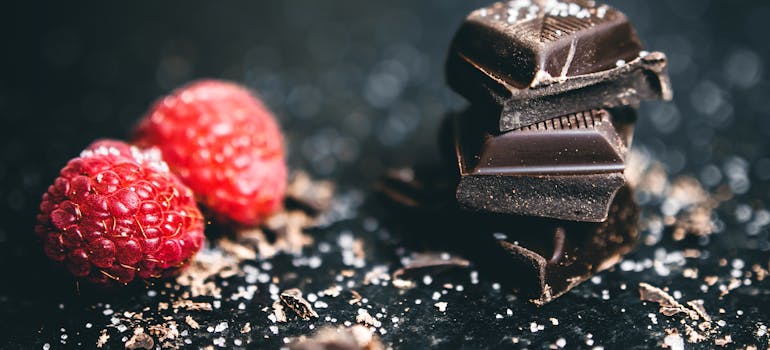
{"points": [[358, 88]]}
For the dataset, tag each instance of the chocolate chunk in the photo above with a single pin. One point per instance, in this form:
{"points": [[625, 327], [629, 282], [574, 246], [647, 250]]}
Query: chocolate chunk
{"points": [[540, 258], [538, 59], [543, 259], [294, 300], [567, 168]]}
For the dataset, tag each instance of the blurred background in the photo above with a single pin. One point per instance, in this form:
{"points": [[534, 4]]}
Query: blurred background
{"points": [[358, 86]]}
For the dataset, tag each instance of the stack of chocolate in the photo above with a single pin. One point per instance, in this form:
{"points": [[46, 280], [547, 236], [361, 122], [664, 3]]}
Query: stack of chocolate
{"points": [[554, 86]]}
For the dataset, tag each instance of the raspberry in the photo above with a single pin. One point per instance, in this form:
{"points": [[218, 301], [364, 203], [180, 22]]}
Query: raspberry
{"points": [[223, 143], [116, 213]]}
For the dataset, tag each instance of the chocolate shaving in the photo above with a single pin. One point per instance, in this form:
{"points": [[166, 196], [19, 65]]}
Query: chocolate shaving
{"points": [[103, 339], [421, 263], [723, 341], [668, 305], [312, 196], [367, 319], [191, 322], [697, 305], [191, 305], [294, 300], [692, 335], [356, 337], [166, 331], [280, 315], [246, 328], [356, 298], [140, 340]]}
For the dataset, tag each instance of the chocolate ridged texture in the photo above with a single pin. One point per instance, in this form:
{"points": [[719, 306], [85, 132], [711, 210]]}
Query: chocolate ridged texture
{"points": [[538, 59], [567, 168], [574, 144]]}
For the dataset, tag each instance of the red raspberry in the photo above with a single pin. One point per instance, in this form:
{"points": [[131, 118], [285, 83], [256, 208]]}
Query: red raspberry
{"points": [[223, 143], [116, 213]]}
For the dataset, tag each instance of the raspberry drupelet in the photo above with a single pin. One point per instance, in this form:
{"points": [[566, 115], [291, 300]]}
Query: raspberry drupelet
{"points": [[225, 144], [116, 214]]}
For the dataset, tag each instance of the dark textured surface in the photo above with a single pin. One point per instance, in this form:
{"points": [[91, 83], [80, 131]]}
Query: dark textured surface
{"points": [[350, 78]]}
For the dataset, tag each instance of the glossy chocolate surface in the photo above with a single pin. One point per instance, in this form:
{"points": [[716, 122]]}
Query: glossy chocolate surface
{"points": [[523, 42], [509, 56]]}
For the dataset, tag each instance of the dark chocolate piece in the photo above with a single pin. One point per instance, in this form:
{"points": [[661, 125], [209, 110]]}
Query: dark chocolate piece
{"points": [[546, 258], [294, 300], [540, 258], [538, 59], [566, 168]]}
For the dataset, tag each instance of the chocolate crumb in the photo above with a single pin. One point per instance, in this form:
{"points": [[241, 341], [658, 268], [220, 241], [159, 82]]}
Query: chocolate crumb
{"points": [[692, 335], [246, 328], [166, 331], [191, 305], [367, 319], [760, 272], [711, 280], [313, 196], [403, 284], [356, 337], [332, 291], [668, 305], [191, 322], [697, 305], [280, 315], [723, 341], [356, 298], [294, 300], [140, 340], [103, 339]]}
